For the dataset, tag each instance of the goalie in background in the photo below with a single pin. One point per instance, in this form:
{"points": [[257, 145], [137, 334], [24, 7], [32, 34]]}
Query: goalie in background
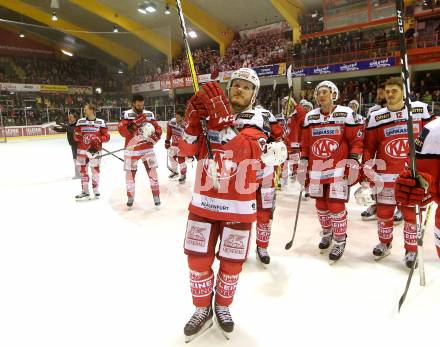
{"points": [[69, 128]]}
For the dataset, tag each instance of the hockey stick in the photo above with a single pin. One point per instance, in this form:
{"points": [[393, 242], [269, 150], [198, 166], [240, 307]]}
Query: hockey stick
{"points": [[406, 93], [290, 84], [111, 153], [411, 272], [290, 243], [195, 83]]}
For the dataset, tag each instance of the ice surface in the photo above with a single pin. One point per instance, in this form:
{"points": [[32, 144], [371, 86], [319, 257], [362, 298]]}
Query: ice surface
{"points": [[97, 274]]}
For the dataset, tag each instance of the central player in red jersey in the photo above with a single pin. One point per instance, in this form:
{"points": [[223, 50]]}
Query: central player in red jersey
{"points": [[223, 204], [331, 139]]}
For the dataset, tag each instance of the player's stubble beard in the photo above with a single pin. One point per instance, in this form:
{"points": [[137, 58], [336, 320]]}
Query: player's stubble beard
{"points": [[239, 107]]}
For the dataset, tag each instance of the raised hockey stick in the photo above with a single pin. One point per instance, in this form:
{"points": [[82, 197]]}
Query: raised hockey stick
{"points": [[290, 84], [412, 151], [195, 84], [411, 272]]}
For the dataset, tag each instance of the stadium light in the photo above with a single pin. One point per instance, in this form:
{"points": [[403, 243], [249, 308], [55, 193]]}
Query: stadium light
{"points": [[167, 9], [22, 35], [67, 53], [141, 9], [150, 8], [54, 16], [192, 34]]}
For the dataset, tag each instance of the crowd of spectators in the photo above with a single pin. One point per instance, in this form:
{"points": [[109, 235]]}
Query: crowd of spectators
{"points": [[311, 22], [243, 52], [70, 71]]}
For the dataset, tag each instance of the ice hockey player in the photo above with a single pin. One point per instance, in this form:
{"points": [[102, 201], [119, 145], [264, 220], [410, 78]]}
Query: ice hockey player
{"points": [[90, 132], [370, 212], [426, 187], [223, 205], [175, 127], [141, 132], [246, 116], [332, 138], [354, 105], [295, 123], [386, 139]]}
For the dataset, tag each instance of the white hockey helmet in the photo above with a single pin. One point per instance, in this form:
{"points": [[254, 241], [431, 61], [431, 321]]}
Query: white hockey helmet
{"points": [[331, 86], [246, 74], [306, 103], [274, 154], [363, 197], [352, 103]]}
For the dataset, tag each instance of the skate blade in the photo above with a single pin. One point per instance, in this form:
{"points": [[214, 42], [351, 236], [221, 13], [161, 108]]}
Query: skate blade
{"points": [[82, 199], [205, 327], [225, 334], [327, 250], [331, 262], [379, 257], [367, 219]]}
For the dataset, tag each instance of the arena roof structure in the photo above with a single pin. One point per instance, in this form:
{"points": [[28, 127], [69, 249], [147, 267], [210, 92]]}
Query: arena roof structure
{"points": [[86, 26]]}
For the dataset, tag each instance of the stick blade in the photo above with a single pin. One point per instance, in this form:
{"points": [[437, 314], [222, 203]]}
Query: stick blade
{"points": [[288, 245], [401, 301], [289, 76]]}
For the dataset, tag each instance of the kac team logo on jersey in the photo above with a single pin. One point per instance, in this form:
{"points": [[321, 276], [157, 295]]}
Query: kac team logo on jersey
{"points": [[324, 148], [224, 167], [398, 148]]}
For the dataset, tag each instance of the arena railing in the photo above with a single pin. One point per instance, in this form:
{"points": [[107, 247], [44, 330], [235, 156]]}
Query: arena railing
{"points": [[38, 116]]}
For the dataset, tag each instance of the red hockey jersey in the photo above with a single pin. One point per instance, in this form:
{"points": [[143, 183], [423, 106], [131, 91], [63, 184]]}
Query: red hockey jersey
{"points": [[295, 125], [86, 129], [328, 140], [135, 140], [386, 138], [174, 132], [237, 157]]}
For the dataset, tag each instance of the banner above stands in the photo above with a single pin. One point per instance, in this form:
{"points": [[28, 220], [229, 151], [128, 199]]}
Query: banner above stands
{"points": [[46, 88], [268, 71], [346, 67]]}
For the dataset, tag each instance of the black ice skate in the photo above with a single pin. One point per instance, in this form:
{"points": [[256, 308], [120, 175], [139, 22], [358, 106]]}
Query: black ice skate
{"points": [[130, 201], [337, 251], [410, 258], [96, 193], [173, 175], [369, 213], [398, 217], [182, 178], [224, 320], [382, 250], [326, 241], [262, 255], [200, 321], [306, 196], [156, 201], [83, 196]]}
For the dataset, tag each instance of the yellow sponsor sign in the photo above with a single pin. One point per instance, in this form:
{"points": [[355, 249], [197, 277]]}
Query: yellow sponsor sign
{"points": [[52, 88]]}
